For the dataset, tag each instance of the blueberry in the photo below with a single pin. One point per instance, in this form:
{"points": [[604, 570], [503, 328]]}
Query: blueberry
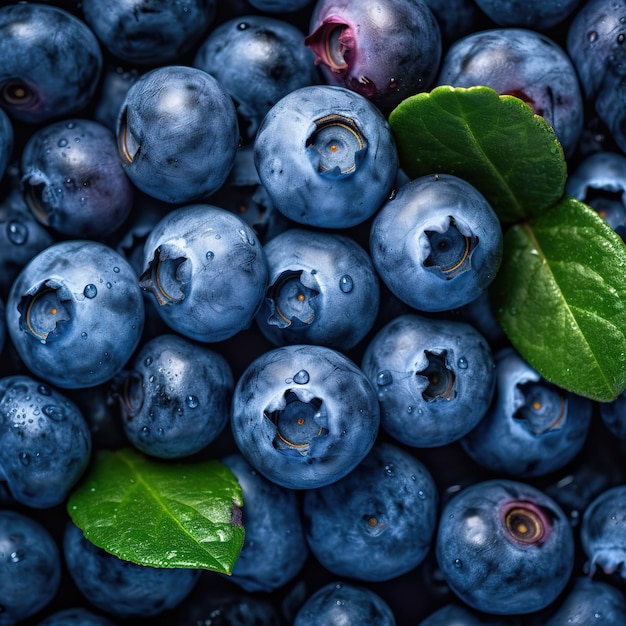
{"points": [[318, 148], [600, 181], [75, 617], [435, 378], [504, 547], [586, 601], [149, 33], [461, 615], [177, 133], [322, 290], [121, 588], [437, 243], [376, 523], [522, 63], [270, 511], [385, 52], [603, 533], [279, 6], [175, 399], [532, 427], [344, 603], [258, 60], [45, 442], [30, 567], [613, 415], [51, 62], [63, 307], [73, 179], [206, 270], [304, 416]]}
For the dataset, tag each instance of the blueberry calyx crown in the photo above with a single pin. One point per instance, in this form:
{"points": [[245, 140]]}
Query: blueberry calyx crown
{"points": [[291, 300], [543, 408], [15, 93], [44, 310], [440, 378], [525, 523], [336, 146], [332, 43], [167, 276], [451, 250]]}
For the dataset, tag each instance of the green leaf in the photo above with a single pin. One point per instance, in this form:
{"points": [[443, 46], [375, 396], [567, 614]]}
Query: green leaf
{"points": [[560, 296], [159, 513], [494, 142]]}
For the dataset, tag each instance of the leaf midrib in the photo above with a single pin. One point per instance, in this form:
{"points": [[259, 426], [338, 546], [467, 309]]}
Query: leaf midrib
{"points": [[545, 262]]}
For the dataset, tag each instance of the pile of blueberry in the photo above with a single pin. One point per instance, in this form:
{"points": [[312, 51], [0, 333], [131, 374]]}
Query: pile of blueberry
{"points": [[209, 250]]}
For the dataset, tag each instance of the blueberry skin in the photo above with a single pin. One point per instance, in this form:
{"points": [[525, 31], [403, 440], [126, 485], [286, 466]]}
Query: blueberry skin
{"points": [[177, 133], [30, 567], [206, 270], [304, 416], [537, 14], [316, 151], [532, 427], [323, 290], [121, 588], [613, 415], [586, 601], [435, 378], [386, 509], [75, 617], [73, 179], [600, 181], [504, 547], [270, 511], [7, 141], [258, 60], [385, 51], [437, 244], [175, 399], [522, 63], [51, 62], [21, 238], [603, 533], [149, 33], [45, 442], [3, 326], [344, 603], [62, 308]]}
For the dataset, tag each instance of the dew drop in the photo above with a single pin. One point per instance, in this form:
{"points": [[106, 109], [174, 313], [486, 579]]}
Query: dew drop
{"points": [[462, 363], [145, 431], [109, 285], [592, 36], [620, 38], [151, 379], [210, 255], [16, 556], [409, 409], [384, 378], [147, 361], [301, 377], [288, 381], [242, 26], [597, 615], [346, 284], [116, 270], [24, 458], [390, 470], [458, 563], [54, 412], [192, 401], [420, 494], [90, 291], [83, 335], [62, 143], [218, 236], [17, 232], [43, 390]]}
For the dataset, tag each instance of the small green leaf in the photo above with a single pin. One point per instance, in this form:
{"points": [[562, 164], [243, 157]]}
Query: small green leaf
{"points": [[494, 142], [560, 296], [159, 513]]}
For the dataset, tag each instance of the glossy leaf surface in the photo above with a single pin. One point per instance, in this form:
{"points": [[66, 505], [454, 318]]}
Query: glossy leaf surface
{"points": [[162, 514], [496, 143]]}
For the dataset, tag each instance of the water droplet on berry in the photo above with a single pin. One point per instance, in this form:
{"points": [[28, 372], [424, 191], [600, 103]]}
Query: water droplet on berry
{"points": [[462, 363], [390, 470], [43, 390], [458, 563], [54, 412], [83, 335], [62, 143], [17, 232], [384, 378], [346, 284], [16, 556], [90, 291], [145, 431], [24, 458], [147, 361], [420, 494], [592, 36], [192, 402], [210, 255], [109, 285], [301, 377], [116, 270]]}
